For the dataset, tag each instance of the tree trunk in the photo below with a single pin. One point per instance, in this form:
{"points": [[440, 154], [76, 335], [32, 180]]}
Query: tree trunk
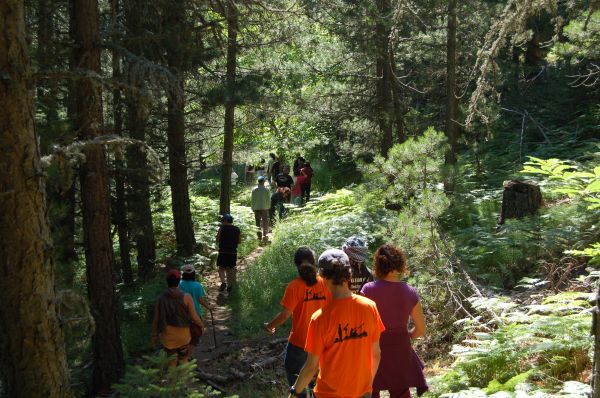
{"points": [[384, 77], [519, 199], [106, 341], [47, 61], [596, 361], [120, 202], [139, 194], [180, 199], [232, 28], [398, 101], [33, 362], [452, 127]]}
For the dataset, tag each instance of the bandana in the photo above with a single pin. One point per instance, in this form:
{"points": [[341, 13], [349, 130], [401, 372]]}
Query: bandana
{"points": [[356, 249]]}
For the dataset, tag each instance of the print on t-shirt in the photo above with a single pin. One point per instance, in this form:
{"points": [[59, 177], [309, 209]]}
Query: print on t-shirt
{"points": [[354, 333], [310, 296]]}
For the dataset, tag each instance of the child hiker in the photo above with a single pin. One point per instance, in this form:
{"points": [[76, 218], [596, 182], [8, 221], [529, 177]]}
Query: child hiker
{"points": [[228, 239]]}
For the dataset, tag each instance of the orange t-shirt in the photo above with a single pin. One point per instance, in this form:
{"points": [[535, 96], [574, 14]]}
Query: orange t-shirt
{"points": [[302, 301], [342, 335]]}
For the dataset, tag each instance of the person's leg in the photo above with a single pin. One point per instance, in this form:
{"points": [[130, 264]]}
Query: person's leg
{"points": [[400, 393], [231, 277], [294, 361], [257, 221], [307, 192], [264, 214], [222, 278]]}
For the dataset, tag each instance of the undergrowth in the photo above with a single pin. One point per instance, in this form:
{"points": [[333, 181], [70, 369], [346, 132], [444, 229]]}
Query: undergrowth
{"points": [[544, 344]]}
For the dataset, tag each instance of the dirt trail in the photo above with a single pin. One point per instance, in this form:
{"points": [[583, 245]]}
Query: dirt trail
{"points": [[232, 365]]}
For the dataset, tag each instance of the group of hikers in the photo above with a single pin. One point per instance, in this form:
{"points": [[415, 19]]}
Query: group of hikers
{"points": [[348, 325], [267, 204]]}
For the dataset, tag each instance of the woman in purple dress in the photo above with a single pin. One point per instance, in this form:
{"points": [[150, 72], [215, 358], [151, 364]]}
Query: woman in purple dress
{"points": [[400, 366]]}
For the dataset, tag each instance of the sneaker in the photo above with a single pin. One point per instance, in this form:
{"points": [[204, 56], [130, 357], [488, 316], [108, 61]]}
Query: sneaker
{"points": [[222, 287]]}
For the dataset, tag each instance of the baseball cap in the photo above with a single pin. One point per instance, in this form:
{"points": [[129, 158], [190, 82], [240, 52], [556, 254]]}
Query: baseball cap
{"points": [[227, 217], [331, 258], [261, 179], [188, 269], [173, 273]]}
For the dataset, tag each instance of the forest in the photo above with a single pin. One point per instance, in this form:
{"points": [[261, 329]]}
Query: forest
{"points": [[466, 133]]}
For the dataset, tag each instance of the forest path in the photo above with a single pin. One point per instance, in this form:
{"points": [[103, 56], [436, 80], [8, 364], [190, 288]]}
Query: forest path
{"points": [[233, 365]]}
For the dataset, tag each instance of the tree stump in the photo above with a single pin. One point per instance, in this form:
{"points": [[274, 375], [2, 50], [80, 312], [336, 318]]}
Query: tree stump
{"points": [[519, 199]]}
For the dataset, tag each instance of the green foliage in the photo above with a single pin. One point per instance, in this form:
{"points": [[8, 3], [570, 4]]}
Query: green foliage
{"points": [[573, 181], [154, 378], [549, 347], [410, 169], [137, 312], [205, 214]]}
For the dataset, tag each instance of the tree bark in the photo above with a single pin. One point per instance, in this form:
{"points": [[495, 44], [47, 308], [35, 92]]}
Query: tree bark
{"points": [[452, 127], [46, 59], [384, 77], [120, 202], [180, 199], [33, 362], [106, 341], [229, 125], [519, 199], [139, 193], [398, 101]]}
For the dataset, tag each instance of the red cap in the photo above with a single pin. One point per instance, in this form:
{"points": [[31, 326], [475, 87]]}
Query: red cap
{"points": [[173, 272]]}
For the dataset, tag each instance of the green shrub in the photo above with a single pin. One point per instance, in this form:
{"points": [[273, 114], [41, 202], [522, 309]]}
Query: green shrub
{"points": [[154, 378]]}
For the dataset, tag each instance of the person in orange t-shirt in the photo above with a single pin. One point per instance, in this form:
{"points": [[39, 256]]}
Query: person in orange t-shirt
{"points": [[303, 296], [342, 338]]}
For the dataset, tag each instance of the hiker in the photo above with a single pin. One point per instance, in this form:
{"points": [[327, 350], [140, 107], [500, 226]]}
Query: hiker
{"points": [[174, 314], [357, 251], [400, 367], [298, 164], [303, 296], [278, 198], [228, 239], [306, 186], [273, 167], [189, 285], [342, 341], [249, 175], [297, 190], [261, 203], [284, 179]]}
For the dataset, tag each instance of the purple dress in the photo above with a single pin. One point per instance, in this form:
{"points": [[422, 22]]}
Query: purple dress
{"points": [[400, 366]]}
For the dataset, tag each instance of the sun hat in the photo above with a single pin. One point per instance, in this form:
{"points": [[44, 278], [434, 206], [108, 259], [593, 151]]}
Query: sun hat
{"points": [[173, 273], [188, 269], [331, 258]]}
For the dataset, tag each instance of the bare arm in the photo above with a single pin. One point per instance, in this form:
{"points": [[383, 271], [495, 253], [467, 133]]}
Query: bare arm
{"points": [[205, 303], [278, 320], [376, 357], [307, 373], [419, 322], [218, 238]]}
